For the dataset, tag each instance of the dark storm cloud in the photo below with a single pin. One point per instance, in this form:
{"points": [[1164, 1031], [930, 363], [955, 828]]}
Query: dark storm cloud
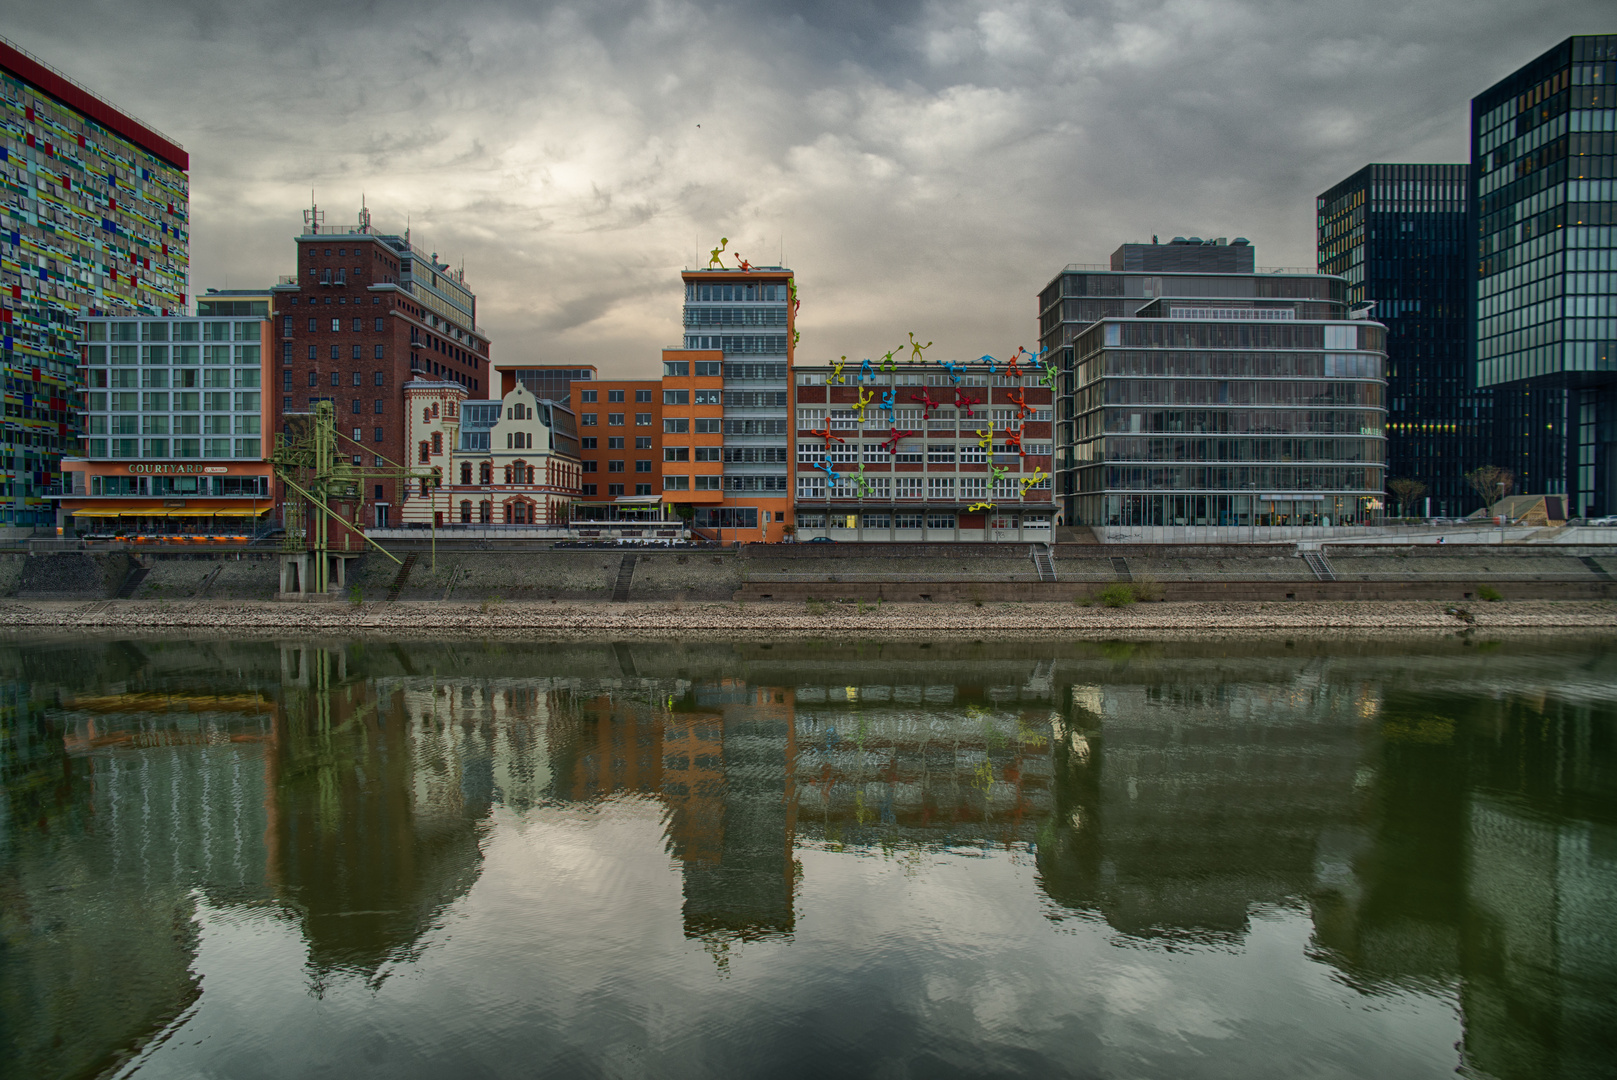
{"points": [[925, 165]]}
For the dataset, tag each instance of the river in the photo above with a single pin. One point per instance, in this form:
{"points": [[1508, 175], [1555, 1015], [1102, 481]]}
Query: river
{"points": [[413, 858]]}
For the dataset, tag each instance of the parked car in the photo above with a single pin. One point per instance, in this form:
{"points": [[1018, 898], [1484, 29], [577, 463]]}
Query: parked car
{"points": [[1607, 522], [820, 540]]}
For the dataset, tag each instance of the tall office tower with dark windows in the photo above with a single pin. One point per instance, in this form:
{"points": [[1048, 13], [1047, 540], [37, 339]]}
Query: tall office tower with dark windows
{"points": [[1544, 188], [1397, 235], [1212, 397], [95, 222]]}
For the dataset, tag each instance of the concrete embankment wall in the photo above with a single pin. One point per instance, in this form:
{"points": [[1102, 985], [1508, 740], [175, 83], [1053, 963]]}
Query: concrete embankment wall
{"points": [[939, 572]]}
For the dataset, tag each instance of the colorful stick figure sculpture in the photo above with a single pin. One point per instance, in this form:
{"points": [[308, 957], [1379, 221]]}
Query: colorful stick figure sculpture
{"points": [[865, 371], [917, 349], [887, 403], [1049, 377], [887, 361], [742, 264], [1011, 369], [831, 475], [860, 482], [1019, 399], [1000, 472], [954, 372], [961, 401], [1013, 441], [827, 435], [713, 256], [865, 398], [891, 443], [1031, 482], [974, 507], [990, 361], [791, 294], [927, 404], [986, 439], [836, 371]]}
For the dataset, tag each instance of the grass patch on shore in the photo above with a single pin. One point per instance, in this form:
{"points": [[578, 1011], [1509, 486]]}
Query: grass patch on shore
{"points": [[1488, 592]]}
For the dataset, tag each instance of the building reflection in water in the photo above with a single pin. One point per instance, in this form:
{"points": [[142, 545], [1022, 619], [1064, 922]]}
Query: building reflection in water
{"points": [[1445, 823]]}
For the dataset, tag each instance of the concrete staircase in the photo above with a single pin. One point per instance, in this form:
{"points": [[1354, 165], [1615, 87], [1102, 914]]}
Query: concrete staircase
{"points": [[620, 591]]}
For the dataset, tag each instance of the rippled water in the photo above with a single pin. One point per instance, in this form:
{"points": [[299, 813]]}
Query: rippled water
{"points": [[1228, 859]]}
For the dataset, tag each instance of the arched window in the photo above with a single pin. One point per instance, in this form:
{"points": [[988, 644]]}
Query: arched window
{"points": [[426, 415], [466, 481], [485, 512], [466, 511], [485, 473], [437, 442], [508, 474], [530, 474]]}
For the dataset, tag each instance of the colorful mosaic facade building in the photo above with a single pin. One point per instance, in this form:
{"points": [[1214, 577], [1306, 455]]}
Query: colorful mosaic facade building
{"points": [[93, 221]]}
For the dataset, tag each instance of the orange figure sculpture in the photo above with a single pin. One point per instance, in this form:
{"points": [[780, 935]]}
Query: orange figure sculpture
{"points": [[827, 435], [1013, 441], [1011, 370], [742, 264], [1019, 399]]}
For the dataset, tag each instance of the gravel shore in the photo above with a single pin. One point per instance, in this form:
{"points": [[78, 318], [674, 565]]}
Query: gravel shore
{"points": [[784, 620]]}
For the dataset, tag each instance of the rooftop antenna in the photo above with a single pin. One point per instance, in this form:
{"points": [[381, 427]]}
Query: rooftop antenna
{"points": [[364, 215], [406, 230], [313, 217]]}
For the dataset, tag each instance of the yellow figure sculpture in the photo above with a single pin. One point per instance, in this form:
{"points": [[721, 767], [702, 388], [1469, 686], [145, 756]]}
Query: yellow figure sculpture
{"points": [[987, 437], [917, 349], [1031, 482], [713, 256], [974, 507], [865, 398], [836, 370]]}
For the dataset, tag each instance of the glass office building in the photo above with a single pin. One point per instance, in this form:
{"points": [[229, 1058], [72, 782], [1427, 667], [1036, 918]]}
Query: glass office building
{"points": [[1215, 398], [1544, 188], [1397, 235]]}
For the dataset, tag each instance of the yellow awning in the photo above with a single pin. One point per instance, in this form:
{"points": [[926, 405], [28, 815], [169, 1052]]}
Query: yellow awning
{"points": [[117, 510]]}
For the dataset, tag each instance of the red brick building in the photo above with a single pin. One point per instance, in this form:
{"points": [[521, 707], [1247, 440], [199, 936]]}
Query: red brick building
{"points": [[365, 313]]}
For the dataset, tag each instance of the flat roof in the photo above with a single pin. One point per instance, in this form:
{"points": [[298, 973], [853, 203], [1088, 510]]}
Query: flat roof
{"points": [[37, 73]]}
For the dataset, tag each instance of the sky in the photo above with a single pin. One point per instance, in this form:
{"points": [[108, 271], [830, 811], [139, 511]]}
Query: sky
{"points": [[922, 166]]}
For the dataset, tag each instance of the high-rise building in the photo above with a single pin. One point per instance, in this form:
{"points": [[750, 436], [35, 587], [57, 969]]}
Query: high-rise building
{"points": [[744, 320], [366, 313], [1211, 397], [1544, 253], [1397, 235], [95, 223]]}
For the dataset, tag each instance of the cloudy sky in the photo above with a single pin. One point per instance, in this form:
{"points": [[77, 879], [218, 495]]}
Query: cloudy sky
{"points": [[925, 166]]}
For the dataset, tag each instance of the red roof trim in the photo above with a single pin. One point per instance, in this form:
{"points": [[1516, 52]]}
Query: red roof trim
{"points": [[71, 94]]}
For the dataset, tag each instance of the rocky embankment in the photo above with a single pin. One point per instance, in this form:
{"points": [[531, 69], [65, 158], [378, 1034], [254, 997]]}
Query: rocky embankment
{"points": [[814, 619]]}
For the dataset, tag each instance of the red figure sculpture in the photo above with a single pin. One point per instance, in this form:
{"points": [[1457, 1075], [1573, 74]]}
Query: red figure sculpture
{"points": [[927, 404], [961, 401], [1013, 441], [892, 443]]}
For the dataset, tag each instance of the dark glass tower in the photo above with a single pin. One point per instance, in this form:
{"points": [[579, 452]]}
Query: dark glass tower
{"points": [[1544, 253], [1397, 235]]}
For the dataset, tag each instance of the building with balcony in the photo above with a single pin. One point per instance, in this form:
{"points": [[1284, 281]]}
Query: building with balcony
{"points": [[927, 452], [366, 313], [1544, 256], [95, 223], [1397, 235], [1213, 399], [173, 422]]}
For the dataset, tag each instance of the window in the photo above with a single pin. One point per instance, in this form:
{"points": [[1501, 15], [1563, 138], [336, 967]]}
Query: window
{"points": [[378, 438], [906, 521], [592, 466], [466, 510], [336, 352], [676, 397], [642, 466], [614, 489], [709, 483], [587, 395], [614, 466], [424, 452], [312, 325], [709, 397], [940, 453], [643, 396], [614, 419], [357, 409], [586, 419], [588, 442], [676, 483], [378, 406], [708, 369], [642, 442], [379, 353], [336, 326], [940, 521], [676, 368], [336, 378], [614, 442], [378, 322], [907, 487], [940, 487], [642, 489], [312, 354], [358, 325], [314, 379], [707, 453], [714, 426], [614, 395], [676, 426], [588, 489], [642, 419]]}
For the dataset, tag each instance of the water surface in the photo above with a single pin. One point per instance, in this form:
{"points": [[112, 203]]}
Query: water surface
{"points": [[419, 859]]}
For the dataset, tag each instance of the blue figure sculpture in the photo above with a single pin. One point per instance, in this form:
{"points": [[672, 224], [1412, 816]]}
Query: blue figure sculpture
{"points": [[887, 403]]}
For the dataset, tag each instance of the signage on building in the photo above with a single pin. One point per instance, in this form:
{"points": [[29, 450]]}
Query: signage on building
{"points": [[173, 467]]}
